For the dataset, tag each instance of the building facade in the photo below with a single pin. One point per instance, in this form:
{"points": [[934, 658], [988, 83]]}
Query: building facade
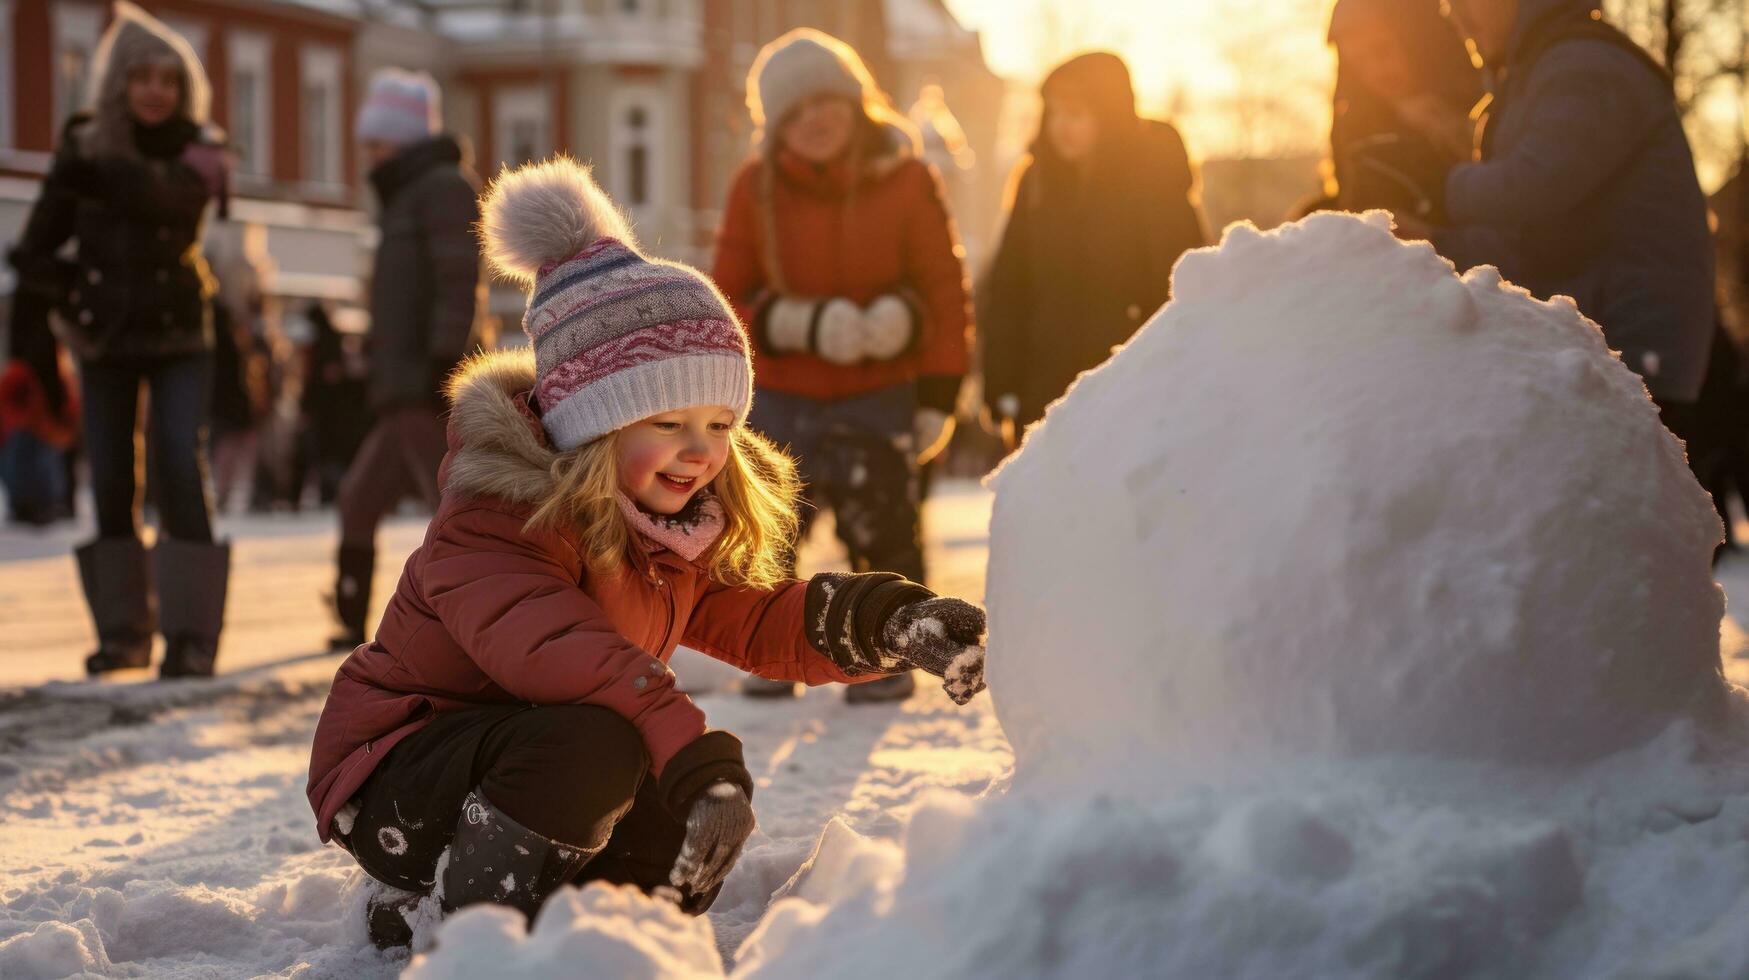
{"points": [[283, 85], [651, 92]]}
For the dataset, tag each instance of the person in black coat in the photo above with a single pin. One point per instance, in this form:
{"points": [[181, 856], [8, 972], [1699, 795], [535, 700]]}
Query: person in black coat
{"points": [[1099, 212], [131, 183], [423, 294]]}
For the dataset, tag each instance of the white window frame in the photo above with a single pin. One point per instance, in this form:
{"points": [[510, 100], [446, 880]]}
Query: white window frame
{"points": [[320, 66], [253, 53], [8, 137], [620, 140], [522, 103], [73, 26]]}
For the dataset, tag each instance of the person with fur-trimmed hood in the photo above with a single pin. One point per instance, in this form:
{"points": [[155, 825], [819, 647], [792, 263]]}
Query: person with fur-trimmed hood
{"points": [[423, 293], [1099, 212], [838, 251], [603, 501], [131, 182]]}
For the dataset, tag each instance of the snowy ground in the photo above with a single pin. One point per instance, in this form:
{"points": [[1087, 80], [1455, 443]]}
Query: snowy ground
{"points": [[155, 829], [160, 829]]}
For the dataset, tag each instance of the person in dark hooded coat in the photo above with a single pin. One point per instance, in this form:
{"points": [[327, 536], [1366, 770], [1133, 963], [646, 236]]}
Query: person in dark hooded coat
{"points": [[1099, 212], [131, 183], [1405, 86], [839, 254]]}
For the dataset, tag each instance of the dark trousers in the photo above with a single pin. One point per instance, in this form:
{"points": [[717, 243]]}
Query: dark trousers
{"points": [[399, 458], [576, 774], [856, 456], [180, 389]]}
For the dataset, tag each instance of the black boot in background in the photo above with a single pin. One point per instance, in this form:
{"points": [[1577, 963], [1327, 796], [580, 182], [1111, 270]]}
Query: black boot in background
{"points": [[352, 584], [192, 581], [118, 589], [898, 687]]}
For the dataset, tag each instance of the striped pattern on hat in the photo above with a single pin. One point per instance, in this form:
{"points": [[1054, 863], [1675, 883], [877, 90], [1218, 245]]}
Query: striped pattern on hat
{"points": [[618, 336], [400, 107]]}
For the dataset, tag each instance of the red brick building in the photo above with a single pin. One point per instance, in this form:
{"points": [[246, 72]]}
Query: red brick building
{"points": [[650, 91]]}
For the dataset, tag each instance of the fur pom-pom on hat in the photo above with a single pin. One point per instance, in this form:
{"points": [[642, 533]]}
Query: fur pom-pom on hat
{"points": [[541, 214], [618, 335]]}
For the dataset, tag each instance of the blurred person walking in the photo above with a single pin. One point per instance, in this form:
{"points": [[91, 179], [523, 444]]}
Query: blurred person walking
{"points": [[242, 397], [131, 183], [334, 403], [422, 298], [1098, 213], [1585, 186], [838, 253]]}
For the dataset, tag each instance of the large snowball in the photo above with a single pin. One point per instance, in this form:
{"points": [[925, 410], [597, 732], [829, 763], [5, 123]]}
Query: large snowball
{"points": [[1334, 501]]}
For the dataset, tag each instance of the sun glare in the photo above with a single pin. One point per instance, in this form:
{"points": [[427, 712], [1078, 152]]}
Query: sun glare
{"points": [[1242, 77]]}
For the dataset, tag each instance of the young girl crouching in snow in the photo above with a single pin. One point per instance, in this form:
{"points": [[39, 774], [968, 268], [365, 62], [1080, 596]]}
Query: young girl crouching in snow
{"points": [[514, 726]]}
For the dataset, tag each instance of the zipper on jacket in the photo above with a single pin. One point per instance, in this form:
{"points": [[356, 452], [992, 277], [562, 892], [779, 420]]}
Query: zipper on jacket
{"points": [[661, 584]]}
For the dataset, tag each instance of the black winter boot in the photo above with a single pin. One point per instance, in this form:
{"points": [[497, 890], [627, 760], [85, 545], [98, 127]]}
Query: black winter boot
{"points": [[357, 565], [387, 917], [495, 859], [192, 579], [118, 589], [898, 687], [753, 686]]}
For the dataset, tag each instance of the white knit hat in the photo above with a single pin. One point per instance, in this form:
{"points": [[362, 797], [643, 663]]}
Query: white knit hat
{"points": [[401, 107], [799, 65]]}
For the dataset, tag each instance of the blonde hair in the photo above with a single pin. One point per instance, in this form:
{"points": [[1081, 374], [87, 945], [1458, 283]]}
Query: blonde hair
{"points": [[758, 490]]}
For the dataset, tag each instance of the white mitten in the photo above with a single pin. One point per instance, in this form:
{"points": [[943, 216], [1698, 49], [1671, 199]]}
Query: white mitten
{"points": [[888, 328], [786, 325], [838, 337]]}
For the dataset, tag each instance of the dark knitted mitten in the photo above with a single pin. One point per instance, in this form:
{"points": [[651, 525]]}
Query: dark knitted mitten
{"points": [[943, 636], [880, 623]]}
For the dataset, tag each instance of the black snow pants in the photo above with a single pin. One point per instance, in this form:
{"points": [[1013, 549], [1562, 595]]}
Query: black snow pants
{"points": [[856, 455], [571, 773]]}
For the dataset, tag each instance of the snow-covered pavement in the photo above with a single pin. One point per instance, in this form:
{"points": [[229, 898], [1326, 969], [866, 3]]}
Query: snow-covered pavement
{"points": [[160, 829]]}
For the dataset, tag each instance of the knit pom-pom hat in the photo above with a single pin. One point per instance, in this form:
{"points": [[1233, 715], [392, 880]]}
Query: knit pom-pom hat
{"points": [[618, 336]]}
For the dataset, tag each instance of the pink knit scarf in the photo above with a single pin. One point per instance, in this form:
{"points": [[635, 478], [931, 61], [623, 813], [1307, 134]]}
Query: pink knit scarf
{"points": [[688, 534]]}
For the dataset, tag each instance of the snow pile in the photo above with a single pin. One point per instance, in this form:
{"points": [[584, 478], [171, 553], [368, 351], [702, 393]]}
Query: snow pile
{"points": [[1354, 621], [54, 949], [602, 930], [1335, 501]]}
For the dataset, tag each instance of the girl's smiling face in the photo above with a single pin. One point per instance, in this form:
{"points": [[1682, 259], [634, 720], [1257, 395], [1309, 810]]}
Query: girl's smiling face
{"points": [[666, 458]]}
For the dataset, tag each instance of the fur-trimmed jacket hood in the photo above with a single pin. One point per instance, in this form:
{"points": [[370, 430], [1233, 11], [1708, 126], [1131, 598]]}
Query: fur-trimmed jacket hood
{"points": [[497, 447]]}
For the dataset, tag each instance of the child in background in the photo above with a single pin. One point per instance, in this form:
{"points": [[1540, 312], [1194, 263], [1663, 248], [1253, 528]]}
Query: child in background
{"points": [[603, 502]]}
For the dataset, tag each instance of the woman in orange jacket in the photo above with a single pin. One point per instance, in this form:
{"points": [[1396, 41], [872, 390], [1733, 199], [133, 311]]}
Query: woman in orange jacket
{"points": [[838, 252]]}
